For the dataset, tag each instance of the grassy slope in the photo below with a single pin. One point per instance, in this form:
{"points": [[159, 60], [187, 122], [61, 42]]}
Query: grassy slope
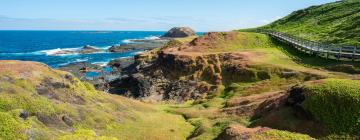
{"points": [[278, 54], [337, 22], [336, 103], [69, 109], [206, 116], [332, 23]]}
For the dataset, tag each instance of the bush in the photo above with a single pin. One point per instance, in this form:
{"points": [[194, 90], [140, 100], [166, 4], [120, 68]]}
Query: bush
{"points": [[282, 135], [10, 128], [336, 103], [83, 134]]}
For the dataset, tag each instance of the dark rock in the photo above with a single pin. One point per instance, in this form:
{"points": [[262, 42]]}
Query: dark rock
{"points": [[67, 120], [24, 114], [89, 49], [139, 45], [78, 68], [179, 32], [84, 50], [296, 95], [121, 63], [296, 99], [119, 49], [147, 81]]}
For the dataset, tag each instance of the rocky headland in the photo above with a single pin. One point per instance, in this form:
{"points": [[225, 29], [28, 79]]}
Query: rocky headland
{"points": [[140, 45], [179, 32], [84, 50]]}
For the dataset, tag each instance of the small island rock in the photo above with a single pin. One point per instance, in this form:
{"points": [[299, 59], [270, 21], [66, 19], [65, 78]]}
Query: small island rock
{"points": [[179, 32]]}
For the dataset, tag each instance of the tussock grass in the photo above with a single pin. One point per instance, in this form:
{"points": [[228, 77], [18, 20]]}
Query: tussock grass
{"points": [[336, 103], [53, 104], [336, 23]]}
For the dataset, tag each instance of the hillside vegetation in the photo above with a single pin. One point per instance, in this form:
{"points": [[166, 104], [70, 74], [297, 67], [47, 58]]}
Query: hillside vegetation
{"points": [[337, 23], [37, 102], [336, 103], [251, 74]]}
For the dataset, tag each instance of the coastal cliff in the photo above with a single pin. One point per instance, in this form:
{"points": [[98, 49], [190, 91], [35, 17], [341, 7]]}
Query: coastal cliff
{"points": [[236, 85], [196, 69]]}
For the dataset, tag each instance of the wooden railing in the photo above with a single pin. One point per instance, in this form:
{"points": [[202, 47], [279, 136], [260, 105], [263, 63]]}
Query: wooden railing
{"points": [[328, 51]]}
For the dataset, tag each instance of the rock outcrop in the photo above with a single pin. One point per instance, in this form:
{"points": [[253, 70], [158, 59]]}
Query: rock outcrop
{"points": [[184, 70], [141, 45], [179, 32], [239, 132], [89, 49], [121, 63], [84, 50]]}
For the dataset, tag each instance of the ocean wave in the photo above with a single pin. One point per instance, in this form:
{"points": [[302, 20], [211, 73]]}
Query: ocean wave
{"points": [[76, 60], [152, 37], [127, 41], [74, 51], [81, 60], [145, 38], [57, 50], [102, 64], [138, 52], [105, 47]]}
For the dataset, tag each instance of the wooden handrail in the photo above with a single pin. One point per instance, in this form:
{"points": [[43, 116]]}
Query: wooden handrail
{"points": [[338, 52]]}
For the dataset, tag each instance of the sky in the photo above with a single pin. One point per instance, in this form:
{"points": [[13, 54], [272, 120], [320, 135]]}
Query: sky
{"points": [[144, 15]]}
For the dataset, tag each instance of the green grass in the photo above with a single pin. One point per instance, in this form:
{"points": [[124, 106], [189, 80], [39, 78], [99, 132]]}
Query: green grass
{"points": [[241, 41], [82, 134], [317, 62], [206, 117], [336, 23], [335, 102], [281, 135], [12, 128], [89, 114]]}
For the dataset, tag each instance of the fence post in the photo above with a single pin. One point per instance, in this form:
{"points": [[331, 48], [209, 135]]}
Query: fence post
{"points": [[354, 53], [311, 48], [318, 49], [339, 56], [327, 52]]}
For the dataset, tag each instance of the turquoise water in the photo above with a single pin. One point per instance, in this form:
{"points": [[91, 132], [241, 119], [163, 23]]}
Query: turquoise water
{"points": [[40, 46]]}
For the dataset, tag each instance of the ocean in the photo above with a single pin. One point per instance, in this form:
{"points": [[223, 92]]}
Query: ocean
{"points": [[40, 46]]}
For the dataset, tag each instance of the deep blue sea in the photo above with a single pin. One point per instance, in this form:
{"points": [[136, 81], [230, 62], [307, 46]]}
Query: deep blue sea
{"points": [[40, 45]]}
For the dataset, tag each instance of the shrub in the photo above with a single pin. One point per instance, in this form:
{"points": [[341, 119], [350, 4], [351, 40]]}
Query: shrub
{"points": [[282, 135], [10, 128], [83, 134], [336, 103]]}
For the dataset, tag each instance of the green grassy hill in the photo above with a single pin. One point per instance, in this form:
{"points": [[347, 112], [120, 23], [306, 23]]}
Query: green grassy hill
{"points": [[37, 102], [337, 22]]}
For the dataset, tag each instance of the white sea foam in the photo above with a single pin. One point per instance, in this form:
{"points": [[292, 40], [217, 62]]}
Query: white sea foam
{"points": [[152, 38], [105, 47], [128, 41], [76, 60], [145, 38], [102, 64], [58, 50], [138, 52], [81, 60]]}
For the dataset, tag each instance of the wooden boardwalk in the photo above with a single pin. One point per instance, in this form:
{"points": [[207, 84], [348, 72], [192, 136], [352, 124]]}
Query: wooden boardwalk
{"points": [[328, 51]]}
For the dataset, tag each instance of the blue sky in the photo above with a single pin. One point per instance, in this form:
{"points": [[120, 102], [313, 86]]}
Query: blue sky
{"points": [[156, 15]]}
